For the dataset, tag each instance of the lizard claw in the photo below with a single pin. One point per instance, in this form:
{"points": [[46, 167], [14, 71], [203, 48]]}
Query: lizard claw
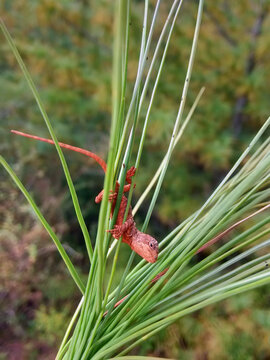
{"points": [[131, 172], [112, 196], [116, 232]]}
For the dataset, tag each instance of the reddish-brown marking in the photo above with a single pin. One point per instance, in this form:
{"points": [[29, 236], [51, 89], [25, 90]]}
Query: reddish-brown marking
{"points": [[221, 235]]}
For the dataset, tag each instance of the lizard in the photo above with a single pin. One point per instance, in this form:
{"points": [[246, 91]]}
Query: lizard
{"points": [[143, 244], [128, 229]]}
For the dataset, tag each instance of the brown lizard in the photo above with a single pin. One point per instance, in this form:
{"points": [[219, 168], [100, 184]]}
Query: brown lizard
{"points": [[123, 229], [143, 244]]}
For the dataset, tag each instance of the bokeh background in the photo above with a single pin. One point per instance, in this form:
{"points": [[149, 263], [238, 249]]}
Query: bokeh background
{"points": [[67, 46]]}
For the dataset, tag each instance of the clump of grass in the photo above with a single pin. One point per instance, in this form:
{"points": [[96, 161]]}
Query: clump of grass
{"points": [[188, 285]]}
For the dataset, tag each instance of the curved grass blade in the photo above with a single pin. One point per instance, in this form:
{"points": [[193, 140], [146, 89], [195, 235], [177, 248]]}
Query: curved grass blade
{"points": [[46, 226], [51, 131]]}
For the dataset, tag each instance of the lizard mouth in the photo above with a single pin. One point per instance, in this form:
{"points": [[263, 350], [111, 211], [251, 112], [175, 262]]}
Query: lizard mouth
{"points": [[153, 259]]}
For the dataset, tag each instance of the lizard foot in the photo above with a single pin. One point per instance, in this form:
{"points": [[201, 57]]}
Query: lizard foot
{"points": [[112, 196], [131, 172], [116, 231]]}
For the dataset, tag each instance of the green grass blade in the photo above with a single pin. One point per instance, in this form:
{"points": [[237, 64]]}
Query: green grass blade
{"points": [[179, 115], [137, 83], [179, 135], [51, 131], [69, 329], [165, 318]]}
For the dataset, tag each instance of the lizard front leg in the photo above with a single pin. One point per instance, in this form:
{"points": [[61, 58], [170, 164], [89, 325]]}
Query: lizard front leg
{"points": [[120, 230]]}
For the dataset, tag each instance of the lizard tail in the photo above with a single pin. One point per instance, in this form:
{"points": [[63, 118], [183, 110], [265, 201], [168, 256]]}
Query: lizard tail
{"points": [[90, 154]]}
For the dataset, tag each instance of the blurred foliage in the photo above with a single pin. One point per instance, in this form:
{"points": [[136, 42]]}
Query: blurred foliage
{"points": [[32, 277], [49, 326], [67, 48]]}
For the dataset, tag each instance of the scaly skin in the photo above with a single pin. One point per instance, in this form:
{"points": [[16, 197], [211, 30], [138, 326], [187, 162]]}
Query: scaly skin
{"points": [[143, 244]]}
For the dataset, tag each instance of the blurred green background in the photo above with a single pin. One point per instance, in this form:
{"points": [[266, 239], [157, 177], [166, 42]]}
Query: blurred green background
{"points": [[67, 46]]}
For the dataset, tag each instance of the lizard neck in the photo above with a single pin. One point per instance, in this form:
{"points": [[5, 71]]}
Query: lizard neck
{"points": [[131, 235]]}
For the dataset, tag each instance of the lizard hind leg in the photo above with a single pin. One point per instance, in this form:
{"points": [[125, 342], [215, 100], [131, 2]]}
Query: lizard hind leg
{"points": [[113, 194], [99, 197], [130, 173]]}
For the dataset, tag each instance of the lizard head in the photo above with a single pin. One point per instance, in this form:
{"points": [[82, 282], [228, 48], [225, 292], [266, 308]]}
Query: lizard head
{"points": [[145, 246]]}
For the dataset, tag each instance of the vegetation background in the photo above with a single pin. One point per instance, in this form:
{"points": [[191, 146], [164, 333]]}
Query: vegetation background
{"points": [[67, 48]]}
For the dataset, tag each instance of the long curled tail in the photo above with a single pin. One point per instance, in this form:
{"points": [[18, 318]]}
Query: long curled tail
{"points": [[90, 154]]}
